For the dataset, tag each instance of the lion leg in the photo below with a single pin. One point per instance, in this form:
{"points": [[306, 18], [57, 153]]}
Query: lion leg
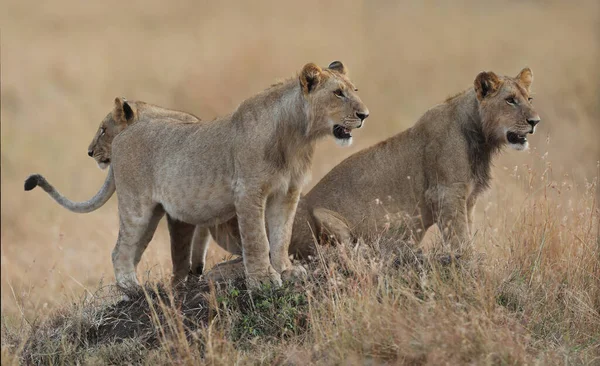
{"points": [[450, 208], [227, 236], [250, 212], [280, 220], [153, 223], [332, 225], [470, 209], [135, 231], [200, 243], [181, 234]]}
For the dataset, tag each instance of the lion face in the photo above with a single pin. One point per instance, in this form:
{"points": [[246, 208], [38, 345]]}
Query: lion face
{"points": [[111, 126], [505, 107], [335, 106]]}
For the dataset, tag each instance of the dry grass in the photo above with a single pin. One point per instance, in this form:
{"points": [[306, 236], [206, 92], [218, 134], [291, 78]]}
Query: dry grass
{"points": [[531, 293]]}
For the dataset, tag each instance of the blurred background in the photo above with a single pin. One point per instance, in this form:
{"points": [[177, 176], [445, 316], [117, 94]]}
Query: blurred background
{"points": [[63, 63]]}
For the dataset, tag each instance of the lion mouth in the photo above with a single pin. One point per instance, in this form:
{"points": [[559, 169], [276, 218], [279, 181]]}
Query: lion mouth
{"points": [[341, 132], [103, 164], [515, 138]]}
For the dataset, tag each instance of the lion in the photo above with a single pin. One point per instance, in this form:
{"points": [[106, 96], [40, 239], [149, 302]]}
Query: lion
{"points": [[250, 164], [123, 114], [431, 173]]}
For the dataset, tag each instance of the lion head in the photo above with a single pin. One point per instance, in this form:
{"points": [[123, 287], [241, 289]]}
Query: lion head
{"points": [[334, 105], [505, 107], [124, 114], [114, 122]]}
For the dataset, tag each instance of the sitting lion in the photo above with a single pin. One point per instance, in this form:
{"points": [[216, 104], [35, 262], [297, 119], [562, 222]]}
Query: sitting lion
{"points": [[250, 164], [431, 173]]}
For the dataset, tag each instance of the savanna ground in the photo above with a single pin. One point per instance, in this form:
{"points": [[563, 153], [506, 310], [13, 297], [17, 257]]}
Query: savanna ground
{"points": [[529, 294]]}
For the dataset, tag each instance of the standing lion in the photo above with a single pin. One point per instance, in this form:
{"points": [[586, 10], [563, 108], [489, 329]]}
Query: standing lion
{"points": [[250, 165]]}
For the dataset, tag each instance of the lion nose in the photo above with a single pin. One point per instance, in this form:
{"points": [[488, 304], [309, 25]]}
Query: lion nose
{"points": [[362, 115], [90, 153], [533, 121]]}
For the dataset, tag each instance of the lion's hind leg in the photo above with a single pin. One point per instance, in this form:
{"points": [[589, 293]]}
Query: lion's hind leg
{"points": [[157, 215], [332, 227], [136, 229], [181, 234], [200, 243]]}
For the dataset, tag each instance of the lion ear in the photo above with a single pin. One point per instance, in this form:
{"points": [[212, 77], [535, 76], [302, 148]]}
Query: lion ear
{"points": [[310, 77], [123, 112], [525, 78], [486, 83], [338, 66]]}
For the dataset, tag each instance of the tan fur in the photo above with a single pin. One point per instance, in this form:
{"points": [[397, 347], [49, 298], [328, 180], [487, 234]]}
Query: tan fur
{"points": [[431, 173], [251, 164]]}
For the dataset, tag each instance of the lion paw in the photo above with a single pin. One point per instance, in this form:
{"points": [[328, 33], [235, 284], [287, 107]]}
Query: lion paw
{"points": [[257, 279], [130, 290], [128, 284], [294, 274], [448, 259]]}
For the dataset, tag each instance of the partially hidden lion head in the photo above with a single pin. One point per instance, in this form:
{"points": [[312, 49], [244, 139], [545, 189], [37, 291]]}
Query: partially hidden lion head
{"points": [[124, 114], [116, 121], [505, 107], [335, 107]]}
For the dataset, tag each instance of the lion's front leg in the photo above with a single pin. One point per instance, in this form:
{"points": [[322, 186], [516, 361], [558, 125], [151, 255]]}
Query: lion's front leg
{"points": [[450, 210], [281, 209], [250, 212], [470, 209]]}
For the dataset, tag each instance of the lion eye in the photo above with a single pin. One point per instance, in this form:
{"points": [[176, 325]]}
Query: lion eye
{"points": [[102, 131], [339, 93], [530, 99], [511, 101]]}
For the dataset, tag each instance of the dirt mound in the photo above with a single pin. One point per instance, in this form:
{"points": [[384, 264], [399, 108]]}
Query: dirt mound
{"points": [[105, 328], [161, 316], [138, 317]]}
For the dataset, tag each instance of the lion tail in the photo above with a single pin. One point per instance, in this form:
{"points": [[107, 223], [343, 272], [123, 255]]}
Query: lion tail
{"points": [[107, 190]]}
